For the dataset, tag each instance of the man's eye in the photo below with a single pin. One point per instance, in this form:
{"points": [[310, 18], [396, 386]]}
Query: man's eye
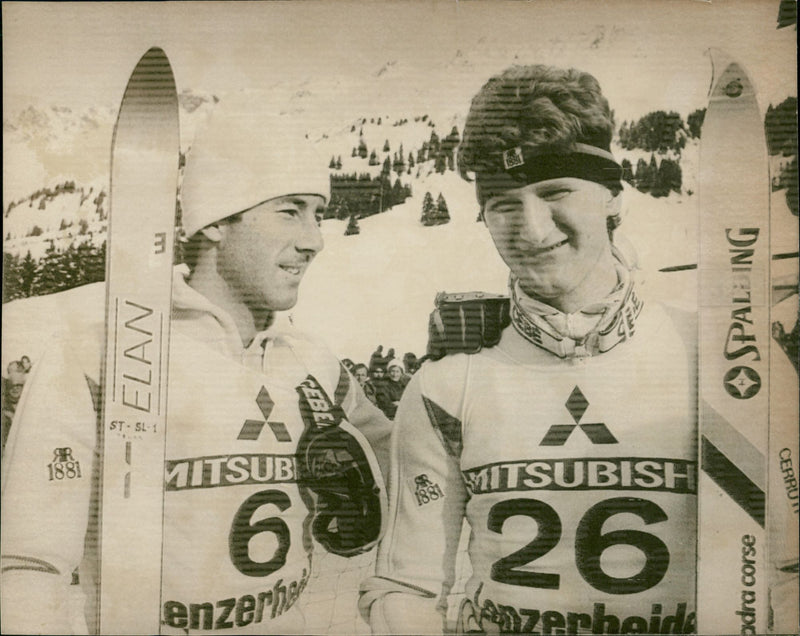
{"points": [[289, 211], [555, 195], [504, 208]]}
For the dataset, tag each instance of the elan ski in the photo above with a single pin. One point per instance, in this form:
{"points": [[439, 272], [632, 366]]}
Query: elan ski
{"points": [[144, 178]]}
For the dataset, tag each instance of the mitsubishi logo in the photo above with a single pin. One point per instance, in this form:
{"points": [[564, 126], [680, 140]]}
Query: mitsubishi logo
{"points": [[576, 404], [252, 428]]}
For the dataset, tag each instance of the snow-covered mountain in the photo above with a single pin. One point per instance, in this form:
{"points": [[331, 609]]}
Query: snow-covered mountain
{"points": [[373, 288]]}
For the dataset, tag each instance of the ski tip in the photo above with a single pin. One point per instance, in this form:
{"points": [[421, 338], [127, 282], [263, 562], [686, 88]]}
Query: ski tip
{"points": [[151, 82], [155, 51], [151, 97], [728, 78], [154, 64]]}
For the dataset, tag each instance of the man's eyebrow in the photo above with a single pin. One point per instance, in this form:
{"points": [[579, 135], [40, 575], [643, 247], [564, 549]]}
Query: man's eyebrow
{"points": [[500, 199]]}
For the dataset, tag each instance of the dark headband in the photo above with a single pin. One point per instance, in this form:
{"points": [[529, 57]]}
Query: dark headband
{"points": [[523, 166]]}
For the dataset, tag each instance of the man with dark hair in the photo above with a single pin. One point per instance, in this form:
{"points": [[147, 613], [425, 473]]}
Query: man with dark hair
{"points": [[361, 374], [25, 361], [581, 506], [267, 430]]}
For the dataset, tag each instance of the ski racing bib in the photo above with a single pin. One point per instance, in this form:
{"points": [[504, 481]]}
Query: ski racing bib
{"points": [[582, 494]]}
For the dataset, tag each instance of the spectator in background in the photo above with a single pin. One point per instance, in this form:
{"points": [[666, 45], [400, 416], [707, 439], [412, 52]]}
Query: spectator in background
{"points": [[14, 383], [361, 374], [392, 390], [25, 362], [397, 373], [348, 364], [377, 374], [377, 359], [411, 364], [12, 389]]}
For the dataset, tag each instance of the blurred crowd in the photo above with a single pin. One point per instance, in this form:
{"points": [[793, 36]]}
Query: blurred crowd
{"points": [[385, 377], [383, 381], [12, 384]]}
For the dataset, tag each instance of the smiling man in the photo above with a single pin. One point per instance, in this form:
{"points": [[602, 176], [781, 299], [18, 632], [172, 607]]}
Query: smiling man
{"points": [[574, 472], [267, 443]]}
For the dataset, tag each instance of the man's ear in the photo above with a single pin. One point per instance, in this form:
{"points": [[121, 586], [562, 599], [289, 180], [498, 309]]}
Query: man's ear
{"points": [[213, 233], [614, 204]]}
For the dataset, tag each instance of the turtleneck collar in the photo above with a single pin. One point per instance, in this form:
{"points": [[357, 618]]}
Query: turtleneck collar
{"points": [[202, 320], [595, 328]]}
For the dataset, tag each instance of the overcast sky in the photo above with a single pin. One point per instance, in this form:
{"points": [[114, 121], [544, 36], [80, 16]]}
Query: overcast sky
{"points": [[644, 52]]}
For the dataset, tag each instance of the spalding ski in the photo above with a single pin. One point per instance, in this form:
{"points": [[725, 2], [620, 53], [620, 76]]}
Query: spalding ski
{"points": [[734, 350], [144, 179]]}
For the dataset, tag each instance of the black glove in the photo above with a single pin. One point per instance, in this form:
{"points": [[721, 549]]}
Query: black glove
{"points": [[466, 322], [335, 473]]}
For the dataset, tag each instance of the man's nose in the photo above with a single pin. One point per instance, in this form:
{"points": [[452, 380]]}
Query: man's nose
{"points": [[536, 220], [310, 240]]}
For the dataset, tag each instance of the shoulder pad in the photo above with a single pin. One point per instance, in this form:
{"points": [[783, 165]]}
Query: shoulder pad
{"points": [[466, 322]]}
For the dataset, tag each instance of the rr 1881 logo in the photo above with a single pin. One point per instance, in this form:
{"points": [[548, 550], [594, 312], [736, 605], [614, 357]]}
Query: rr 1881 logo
{"points": [[426, 491], [64, 466]]}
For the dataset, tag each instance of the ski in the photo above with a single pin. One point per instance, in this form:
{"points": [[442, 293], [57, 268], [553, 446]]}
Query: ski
{"points": [[139, 259], [680, 268], [734, 335]]}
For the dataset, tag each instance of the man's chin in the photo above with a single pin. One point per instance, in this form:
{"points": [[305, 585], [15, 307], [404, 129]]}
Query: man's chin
{"points": [[282, 302]]}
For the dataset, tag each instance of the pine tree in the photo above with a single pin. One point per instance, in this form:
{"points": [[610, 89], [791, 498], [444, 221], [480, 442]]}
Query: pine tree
{"points": [[780, 124], [352, 226], [339, 162], [441, 163], [373, 158], [399, 162], [11, 282], [668, 179], [656, 131], [788, 180], [332, 164], [398, 192], [442, 213], [428, 210], [449, 145], [627, 171], [344, 210], [387, 166], [694, 122], [433, 144], [386, 146], [642, 178], [332, 209], [410, 160], [624, 135], [362, 148]]}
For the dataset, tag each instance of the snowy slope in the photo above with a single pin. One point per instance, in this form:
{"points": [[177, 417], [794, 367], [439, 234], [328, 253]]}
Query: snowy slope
{"points": [[378, 287]]}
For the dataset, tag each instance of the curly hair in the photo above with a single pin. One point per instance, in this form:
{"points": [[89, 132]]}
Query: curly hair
{"points": [[542, 106]]}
